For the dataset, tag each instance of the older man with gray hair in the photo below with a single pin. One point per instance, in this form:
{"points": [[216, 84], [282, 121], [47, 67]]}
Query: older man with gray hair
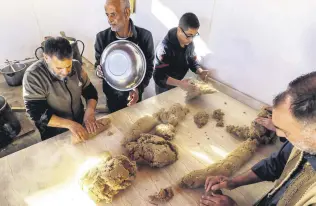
{"points": [[122, 27], [293, 167]]}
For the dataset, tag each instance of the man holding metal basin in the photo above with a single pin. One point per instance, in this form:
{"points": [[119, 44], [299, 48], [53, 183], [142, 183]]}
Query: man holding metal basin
{"points": [[52, 90], [175, 55], [124, 57]]}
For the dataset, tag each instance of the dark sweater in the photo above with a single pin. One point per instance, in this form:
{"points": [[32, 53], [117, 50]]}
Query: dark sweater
{"points": [[270, 169], [172, 60], [141, 37], [45, 95]]}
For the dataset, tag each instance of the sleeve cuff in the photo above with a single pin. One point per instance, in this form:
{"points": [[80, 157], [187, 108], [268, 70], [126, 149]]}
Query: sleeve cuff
{"points": [[90, 92], [45, 118], [260, 170]]}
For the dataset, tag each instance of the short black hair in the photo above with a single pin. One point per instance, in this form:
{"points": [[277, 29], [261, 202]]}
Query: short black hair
{"points": [[59, 47], [189, 20], [302, 93]]}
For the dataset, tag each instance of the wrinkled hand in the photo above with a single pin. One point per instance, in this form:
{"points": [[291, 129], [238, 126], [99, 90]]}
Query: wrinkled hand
{"points": [[266, 122], [214, 183], [133, 97], [217, 200], [78, 132], [90, 122], [186, 85]]}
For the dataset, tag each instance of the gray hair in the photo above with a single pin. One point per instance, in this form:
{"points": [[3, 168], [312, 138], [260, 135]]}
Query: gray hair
{"points": [[124, 3]]}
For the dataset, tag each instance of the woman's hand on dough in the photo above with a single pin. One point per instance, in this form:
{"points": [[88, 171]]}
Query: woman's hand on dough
{"points": [[214, 183], [217, 200]]}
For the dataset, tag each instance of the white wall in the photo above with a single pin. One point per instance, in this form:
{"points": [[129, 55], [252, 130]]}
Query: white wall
{"points": [[19, 34], [255, 46], [259, 46], [25, 23]]}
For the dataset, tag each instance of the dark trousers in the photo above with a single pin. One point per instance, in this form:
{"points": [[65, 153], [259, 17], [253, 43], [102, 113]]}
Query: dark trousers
{"points": [[160, 90], [116, 100]]}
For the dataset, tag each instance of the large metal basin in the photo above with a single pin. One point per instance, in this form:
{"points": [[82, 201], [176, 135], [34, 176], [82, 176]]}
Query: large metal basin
{"points": [[123, 65]]}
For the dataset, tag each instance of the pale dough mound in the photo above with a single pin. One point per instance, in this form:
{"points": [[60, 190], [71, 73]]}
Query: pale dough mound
{"points": [[164, 195], [173, 115], [109, 177], [152, 150], [202, 88], [201, 119], [142, 125], [166, 131]]}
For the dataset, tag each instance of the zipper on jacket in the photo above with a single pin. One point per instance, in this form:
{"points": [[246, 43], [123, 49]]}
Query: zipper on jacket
{"points": [[72, 111]]}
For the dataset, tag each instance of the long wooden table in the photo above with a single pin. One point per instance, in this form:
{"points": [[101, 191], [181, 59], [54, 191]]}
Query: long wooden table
{"points": [[47, 173]]}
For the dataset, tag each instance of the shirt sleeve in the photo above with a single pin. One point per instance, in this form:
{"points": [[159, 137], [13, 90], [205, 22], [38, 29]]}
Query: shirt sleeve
{"points": [[98, 48], [88, 89], [193, 62], [271, 168], [34, 94], [149, 53], [162, 62]]}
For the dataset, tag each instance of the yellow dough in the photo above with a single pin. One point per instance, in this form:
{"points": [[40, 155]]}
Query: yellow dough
{"points": [[254, 131], [164, 195], [108, 178], [142, 125], [226, 167], [166, 131], [218, 115], [152, 150], [201, 89], [104, 124], [173, 115], [201, 119]]}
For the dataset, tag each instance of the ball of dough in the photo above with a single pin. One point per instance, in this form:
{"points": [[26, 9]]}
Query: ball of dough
{"points": [[152, 150]]}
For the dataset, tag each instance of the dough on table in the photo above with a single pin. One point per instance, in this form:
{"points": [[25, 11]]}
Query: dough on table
{"points": [[104, 124], [166, 131], [201, 119], [152, 150], [218, 115], [164, 195], [201, 89], [175, 114], [108, 178], [143, 125]]}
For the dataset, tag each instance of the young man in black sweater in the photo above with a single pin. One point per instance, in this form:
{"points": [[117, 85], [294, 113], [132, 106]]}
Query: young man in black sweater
{"points": [[175, 55]]}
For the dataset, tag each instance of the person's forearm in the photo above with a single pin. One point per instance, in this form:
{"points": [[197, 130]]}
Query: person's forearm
{"points": [[173, 82], [92, 104], [246, 178], [199, 70], [59, 122]]}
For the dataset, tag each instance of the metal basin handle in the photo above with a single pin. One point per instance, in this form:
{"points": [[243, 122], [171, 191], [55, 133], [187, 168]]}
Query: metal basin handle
{"points": [[37, 50], [83, 47]]}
